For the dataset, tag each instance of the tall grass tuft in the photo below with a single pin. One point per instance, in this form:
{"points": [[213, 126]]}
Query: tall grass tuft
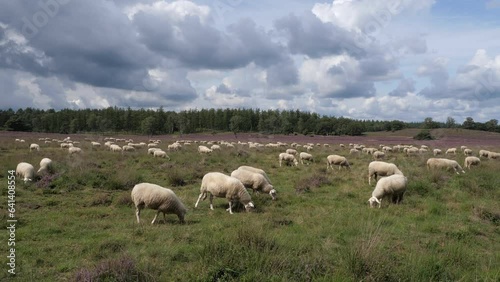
{"points": [[311, 182], [123, 269]]}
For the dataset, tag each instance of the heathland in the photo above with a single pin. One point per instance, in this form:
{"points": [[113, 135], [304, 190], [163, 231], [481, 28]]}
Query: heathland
{"points": [[79, 223]]}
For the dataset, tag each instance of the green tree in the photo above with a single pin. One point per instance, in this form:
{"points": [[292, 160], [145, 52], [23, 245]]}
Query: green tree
{"points": [[235, 124], [148, 125], [450, 122], [469, 123]]}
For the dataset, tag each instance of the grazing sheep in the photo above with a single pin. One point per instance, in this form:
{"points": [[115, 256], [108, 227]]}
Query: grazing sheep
{"points": [[25, 171], [204, 150], [306, 157], [444, 163], [412, 151], [378, 168], [255, 181], [115, 148], [393, 186], [256, 170], [224, 186], [34, 146], [467, 152], [174, 146], [291, 152], [152, 150], [378, 155], [484, 153], [128, 148], [74, 150], [437, 152], [95, 144], [493, 155], [451, 151], [354, 151], [147, 195], [215, 147], [341, 161], [471, 161], [152, 145], [161, 154], [288, 159], [45, 166]]}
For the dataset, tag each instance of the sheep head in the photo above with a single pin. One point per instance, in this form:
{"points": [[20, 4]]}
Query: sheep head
{"points": [[373, 201], [273, 194], [250, 206]]}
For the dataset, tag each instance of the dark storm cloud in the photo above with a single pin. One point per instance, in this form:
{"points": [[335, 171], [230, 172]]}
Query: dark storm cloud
{"points": [[352, 89], [222, 88], [283, 73], [308, 35], [405, 85]]}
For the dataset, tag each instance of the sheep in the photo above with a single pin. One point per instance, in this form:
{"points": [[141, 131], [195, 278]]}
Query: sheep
{"points": [[451, 151], [412, 151], [256, 170], [291, 152], [470, 161], [74, 150], [148, 195], [255, 181], [378, 168], [484, 153], [337, 160], [288, 159], [220, 185], [152, 150], [437, 152], [306, 157], [161, 154], [25, 171], [128, 148], [152, 145], [215, 147], [467, 152], [354, 151], [393, 186], [378, 155], [493, 155], [115, 148], [444, 163], [95, 144], [34, 146], [45, 166], [204, 150]]}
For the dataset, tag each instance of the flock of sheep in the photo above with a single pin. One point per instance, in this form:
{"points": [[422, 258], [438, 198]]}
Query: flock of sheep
{"points": [[392, 183]]}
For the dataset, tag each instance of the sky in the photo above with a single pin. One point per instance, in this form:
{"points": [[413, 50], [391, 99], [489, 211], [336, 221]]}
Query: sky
{"points": [[362, 59]]}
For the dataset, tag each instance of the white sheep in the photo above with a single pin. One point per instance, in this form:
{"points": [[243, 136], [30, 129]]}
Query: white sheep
{"points": [[256, 170], [354, 151], [152, 150], [306, 157], [161, 154], [471, 161], [493, 155], [215, 147], [291, 152], [393, 186], [255, 181], [433, 163], [95, 144], [204, 150], [74, 150], [45, 166], [467, 152], [224, 186], [128, 148], [451, 151], [288, 159], [437, 152], [484, 153], [115, 148], [25, 171], [378, 168], [34, 146], [341, 161], [378, 155], [147, 195]]}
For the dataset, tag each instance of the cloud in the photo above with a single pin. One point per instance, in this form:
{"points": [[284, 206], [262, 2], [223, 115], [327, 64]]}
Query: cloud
{"points": [[227, 98], [405, 86]]}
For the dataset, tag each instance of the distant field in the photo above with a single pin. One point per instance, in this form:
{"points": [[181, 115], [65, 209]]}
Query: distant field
{"points": [[80, 224]]}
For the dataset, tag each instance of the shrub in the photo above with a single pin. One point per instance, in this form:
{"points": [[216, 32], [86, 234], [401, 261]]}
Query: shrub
{"points": [[424, 135]]}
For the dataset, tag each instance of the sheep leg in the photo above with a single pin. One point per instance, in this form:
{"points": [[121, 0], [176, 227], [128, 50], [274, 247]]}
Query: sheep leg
{"points": [[230, 210], [199, 198], [211, 202], [154, 219], [137, 214]]}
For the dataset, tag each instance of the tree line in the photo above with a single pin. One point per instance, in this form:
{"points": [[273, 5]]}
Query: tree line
{"points": [[159, 121]]}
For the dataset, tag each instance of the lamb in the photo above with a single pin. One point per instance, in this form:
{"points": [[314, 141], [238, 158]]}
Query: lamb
{"points": [[444, 163], [255, 181], [393, 186], [471, 161], [147, 195], [288, 159], [34, 146], [220, 185], [204, 150], [378, 168], [451, 151], [160, 154], [25, 171], [306, 157], [256, 170], [337, 160], [74, 150], [45, 166]]}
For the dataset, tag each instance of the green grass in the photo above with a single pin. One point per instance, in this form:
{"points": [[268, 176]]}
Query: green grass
{"points": [[80, 223]]}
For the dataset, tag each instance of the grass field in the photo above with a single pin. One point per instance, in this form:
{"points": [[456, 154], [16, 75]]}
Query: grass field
{"points": [[79, 224]]}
